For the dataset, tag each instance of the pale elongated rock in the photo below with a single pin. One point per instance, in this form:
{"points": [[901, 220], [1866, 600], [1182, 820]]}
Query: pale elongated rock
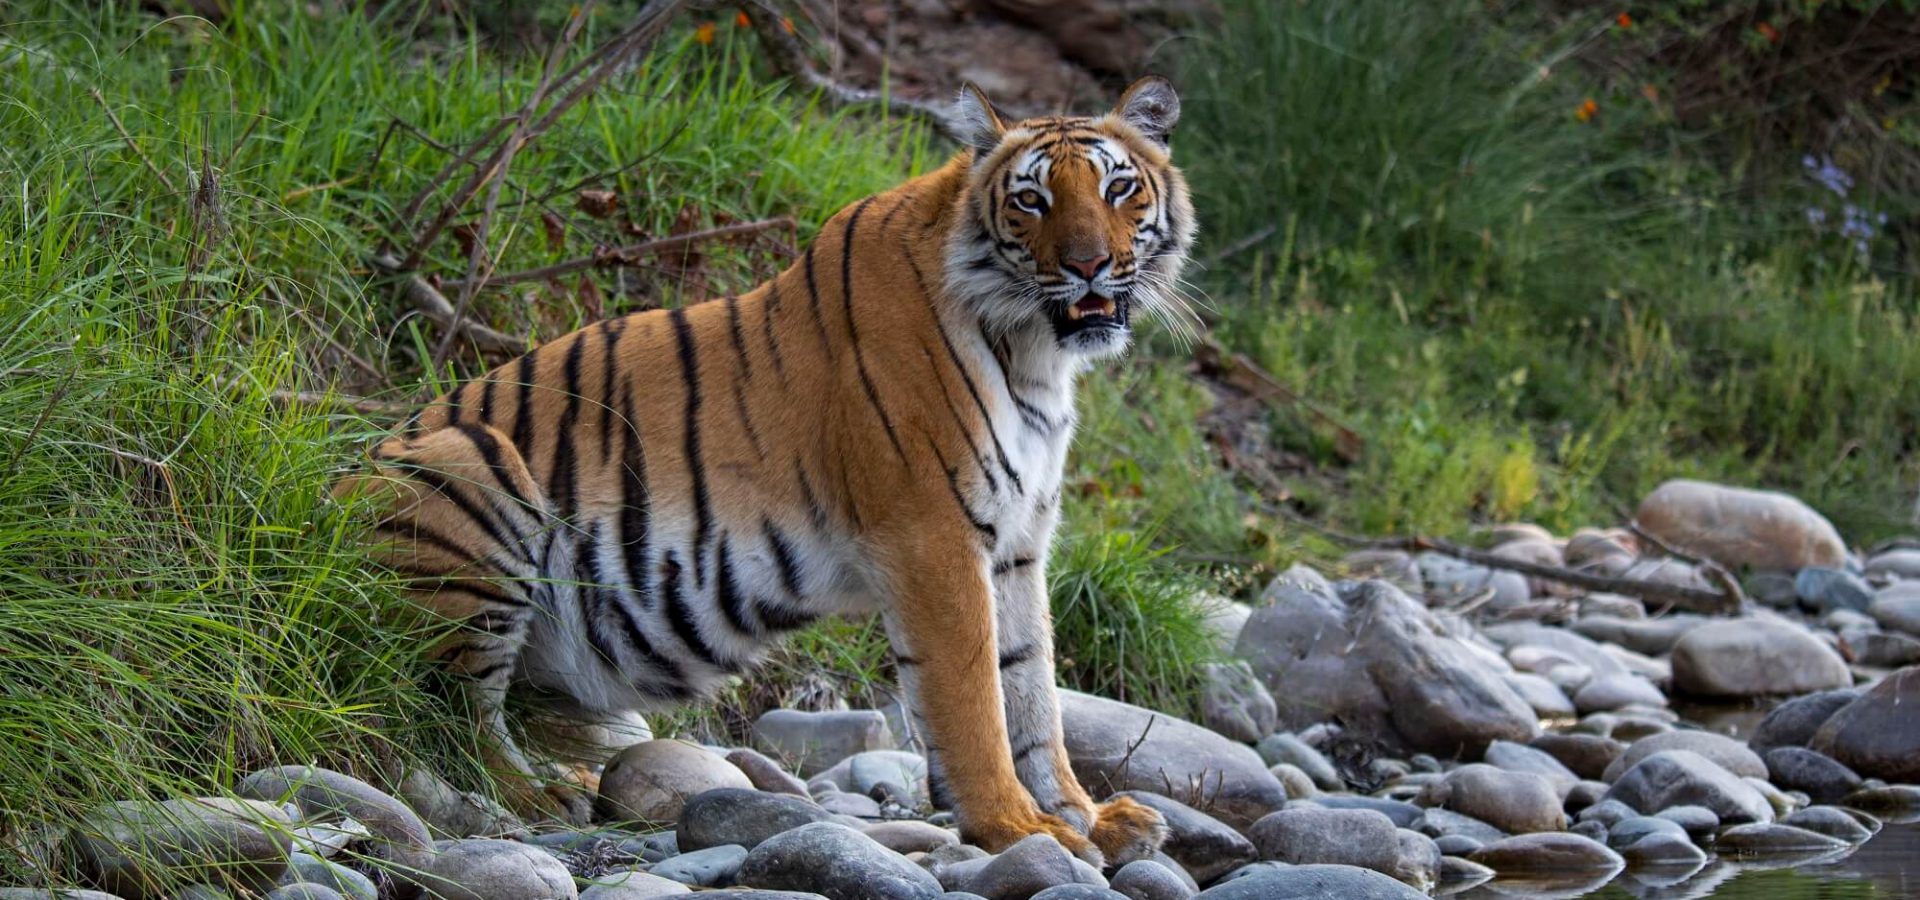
{"points": [[1741, 527]]}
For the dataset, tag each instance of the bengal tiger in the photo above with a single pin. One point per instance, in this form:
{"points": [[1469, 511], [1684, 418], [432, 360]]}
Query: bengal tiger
{"points": [[626, 517]]}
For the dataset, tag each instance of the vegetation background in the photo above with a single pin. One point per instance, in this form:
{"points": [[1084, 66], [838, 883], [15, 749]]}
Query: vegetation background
{"points": [[1538, 256]]}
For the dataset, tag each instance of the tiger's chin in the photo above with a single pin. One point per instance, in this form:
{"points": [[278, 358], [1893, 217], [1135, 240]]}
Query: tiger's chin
{"points": [[1094, 325]]}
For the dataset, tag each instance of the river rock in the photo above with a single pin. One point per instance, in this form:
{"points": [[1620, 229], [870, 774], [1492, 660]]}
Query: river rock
{"points": [[1878, 735], [1650, 636], [1546, 698], [910, 835], [632, 885], [1539, 551], [1633, 828], [1699, 822], [1830, 821], [1234, 703], [1882, 649], [1203, 845], [1819, 776], [1566, 644], [1675, 572], [1079, 892], [1311, 882], [1298, 643], [1740, 527], [1281, 747], [1900, 563], [1444, 696], [1794, 723], [1556, 852], [1144, 879], [1307, 834], [1031, 865], [1419, 863], [1514, 757], [651, 781], [1610, 692], [712, 867], [745, 817], [1450, 580], [1223, 619], [1682, 777], [1753, 658], [453, 813], [1823, 590], [812, 741], [303, 868], [1893, 800], [1440, 822], [1723, 751], [496, 870], [1664, 849], [1396, 567], [402, 836], [1586, 755], [144, 850], [1772, 837], [1401, 813], [1105, 743], [837, 861], [1514, 802], [1897, 607]]}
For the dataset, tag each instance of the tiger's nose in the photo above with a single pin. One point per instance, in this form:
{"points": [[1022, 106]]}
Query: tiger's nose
{"points": [[1088, 267]]}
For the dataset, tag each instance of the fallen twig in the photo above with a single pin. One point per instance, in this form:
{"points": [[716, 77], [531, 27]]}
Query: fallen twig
{"points": [[366, 405], [131, 143], [434, 306], [628, 255], [1725, 601]]}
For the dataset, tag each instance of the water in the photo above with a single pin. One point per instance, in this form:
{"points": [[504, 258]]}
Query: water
{"points": [[1886, 866]]}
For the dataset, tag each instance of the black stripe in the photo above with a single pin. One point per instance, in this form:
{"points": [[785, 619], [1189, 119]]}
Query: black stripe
{"points": [[782, 558], [1018, 655], [487, 673], [727, 592], [453, 403], [739, 339], [491, 453], [562, 480], [1030, 747], [635, 504], [610, 332], [815, 512], [523, 416], [1019, 562], [696, 467], [484, 589], [746, 418], [486, 400], [679, 615], [487, 523], [779, 617], [593, 600], [960, 423], [966, 378], [813, 297], [853, 333], [953, 485], [766, 320], [906, 661]]}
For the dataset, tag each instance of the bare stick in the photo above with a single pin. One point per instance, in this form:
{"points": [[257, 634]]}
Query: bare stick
{"points": [[1727, 600], [628, 255], [366, 405], [434, 306], [131, 143], [1240, 371]]}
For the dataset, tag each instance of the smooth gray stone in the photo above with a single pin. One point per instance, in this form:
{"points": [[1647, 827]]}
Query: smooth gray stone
{"points": [[816, 740], [1698, 821], [306, 869], [1032, 864], [632, 886], [1824, 779], [1079, 892], [1585, 755], [496, 870], [139, 849], [1830, 821], [1794, 723], [1312, 882], [1285, 748], [1457, 844], [1719, 749], [734, 816], [1306, 835], [1547, 852], [765, 774], [839, 862], [1144, 879], [1439, 822], [1629, 831], [1514, 802], [1402, 813], [1205, 846], [404, 838], [1664, 848], [1772, 837], [1682, 777], [711, 867]]}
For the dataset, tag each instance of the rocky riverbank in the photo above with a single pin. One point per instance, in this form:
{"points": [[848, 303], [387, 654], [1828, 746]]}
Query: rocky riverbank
{"points": [[1422, 726]]}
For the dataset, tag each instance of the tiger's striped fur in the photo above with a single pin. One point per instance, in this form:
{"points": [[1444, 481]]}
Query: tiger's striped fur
{"points": [[629, 515]]}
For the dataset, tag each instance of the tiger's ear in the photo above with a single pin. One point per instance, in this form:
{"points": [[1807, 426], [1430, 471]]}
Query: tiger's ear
{"points": [[1151, 106], [975, 122]]}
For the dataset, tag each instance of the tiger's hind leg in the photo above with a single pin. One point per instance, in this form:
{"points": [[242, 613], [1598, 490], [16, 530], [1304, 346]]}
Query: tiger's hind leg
{"points": [[463, 520]]}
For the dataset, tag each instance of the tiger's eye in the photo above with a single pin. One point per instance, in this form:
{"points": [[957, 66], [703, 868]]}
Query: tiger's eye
{"points": [[1118, 188], [1030, 200]]}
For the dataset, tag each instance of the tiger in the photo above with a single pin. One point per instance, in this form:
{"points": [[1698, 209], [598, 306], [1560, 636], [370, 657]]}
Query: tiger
{"points": [[629, 516]]}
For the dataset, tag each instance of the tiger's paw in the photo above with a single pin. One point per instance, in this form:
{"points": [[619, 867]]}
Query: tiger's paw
{"points": [[1126, 830], [997, 835]]}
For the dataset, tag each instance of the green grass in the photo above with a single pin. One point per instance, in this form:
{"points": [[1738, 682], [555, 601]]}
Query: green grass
{"points": [[1529, 317]]}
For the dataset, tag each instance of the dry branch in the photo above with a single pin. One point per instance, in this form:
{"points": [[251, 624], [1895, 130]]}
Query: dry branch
{"points": [[1242, 373], [131, 143], [434, 305], [1726, 601], [625, 256], [366, 405]]}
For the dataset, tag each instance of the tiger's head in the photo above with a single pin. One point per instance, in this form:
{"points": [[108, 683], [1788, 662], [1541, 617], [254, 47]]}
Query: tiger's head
{"points": [[1073, 224]]}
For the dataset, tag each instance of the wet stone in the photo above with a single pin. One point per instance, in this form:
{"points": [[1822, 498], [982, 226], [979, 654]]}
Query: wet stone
{"points": [[711, 867], [632, 886], [1823, 778], [1144, 879], [1772, 837], [744, 817], [837, 861]]}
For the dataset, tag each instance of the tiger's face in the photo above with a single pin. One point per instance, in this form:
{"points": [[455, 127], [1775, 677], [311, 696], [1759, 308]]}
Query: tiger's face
{"points": [[1077, 223]]}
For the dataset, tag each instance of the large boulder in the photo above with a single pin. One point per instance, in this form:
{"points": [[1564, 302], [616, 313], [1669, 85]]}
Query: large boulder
{"points": [[1754, 658], [141, 850], [651, 781], [1297, 643], [1740, 527], [495, 870], [1444, 695], [1115, 746], [1723, 751], [1235, 703], [1514, 802], [1878, 735]]}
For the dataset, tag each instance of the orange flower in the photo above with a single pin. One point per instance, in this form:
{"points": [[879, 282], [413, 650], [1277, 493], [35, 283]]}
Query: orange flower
{"points": [[1769, 32], [704, 34], [1623, 20], [1650, 92], [786, 24], [741, 19], [1586, 110]]}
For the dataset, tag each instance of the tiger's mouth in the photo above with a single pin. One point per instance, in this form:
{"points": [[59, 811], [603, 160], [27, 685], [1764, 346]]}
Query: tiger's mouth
{"points": [[1090, 312]]}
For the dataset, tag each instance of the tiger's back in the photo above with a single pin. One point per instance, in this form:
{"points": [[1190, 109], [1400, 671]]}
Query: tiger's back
{"points": [[630, 514]]}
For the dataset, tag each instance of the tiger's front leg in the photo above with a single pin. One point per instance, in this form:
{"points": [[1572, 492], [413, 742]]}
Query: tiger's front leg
{"points": [[941, 623], [1122, 829]]}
